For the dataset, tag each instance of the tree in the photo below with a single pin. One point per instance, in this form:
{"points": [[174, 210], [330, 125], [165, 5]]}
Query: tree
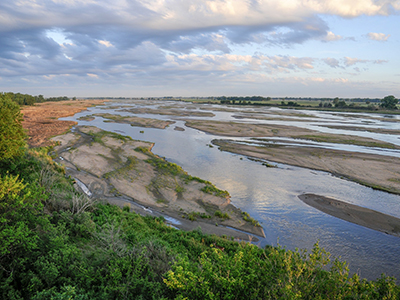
{"points": [[12, 135], [389, 102]]}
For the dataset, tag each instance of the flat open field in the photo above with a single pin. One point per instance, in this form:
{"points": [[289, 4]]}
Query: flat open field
{"points": [[41, 120]]}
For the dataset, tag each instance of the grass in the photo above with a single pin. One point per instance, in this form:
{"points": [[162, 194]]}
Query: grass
{"points": [[264, 163], [211, 189], [98, 136], [165, 167], [249, 219], [130, 164], [222, 215], [193, 216]]}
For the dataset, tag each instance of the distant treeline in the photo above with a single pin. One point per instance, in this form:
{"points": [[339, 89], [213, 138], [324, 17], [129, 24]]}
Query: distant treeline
{"points": [[241, 100], [387, 103], [26, 99], [371, 100]]}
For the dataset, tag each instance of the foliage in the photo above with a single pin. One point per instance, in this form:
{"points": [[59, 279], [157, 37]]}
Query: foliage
{"points": [[389, 102], [272, 273], [165, 167], [247, 218], [221, 215], [130, 164], [12, 135], [24, 99], [211, 189], [50, 249], [98, 136]]}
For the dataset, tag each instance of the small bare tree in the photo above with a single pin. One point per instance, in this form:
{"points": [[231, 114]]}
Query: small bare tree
{"points": [[81, 203]]}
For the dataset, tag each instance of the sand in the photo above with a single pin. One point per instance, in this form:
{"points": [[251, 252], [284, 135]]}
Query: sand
{"points": [[376, 171], [355, 214], [123, 171]]}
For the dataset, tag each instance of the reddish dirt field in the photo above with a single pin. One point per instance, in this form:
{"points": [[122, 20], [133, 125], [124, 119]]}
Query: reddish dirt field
{"points": [[41, 120]]}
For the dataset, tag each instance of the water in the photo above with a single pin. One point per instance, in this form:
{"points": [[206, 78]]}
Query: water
{"points": [[270, 194]]}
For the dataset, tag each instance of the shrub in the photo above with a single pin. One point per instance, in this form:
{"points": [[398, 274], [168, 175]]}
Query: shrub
{"points": [[12, 135]]}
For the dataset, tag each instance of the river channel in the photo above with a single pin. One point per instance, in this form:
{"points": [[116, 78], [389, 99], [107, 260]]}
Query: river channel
{"points": [[270, 194]]}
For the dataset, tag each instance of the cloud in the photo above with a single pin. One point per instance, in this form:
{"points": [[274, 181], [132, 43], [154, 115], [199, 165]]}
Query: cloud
{"points": [[106, 43], [348, 61], [156, 41], [332, 62], [330, 36], [378, 36]]}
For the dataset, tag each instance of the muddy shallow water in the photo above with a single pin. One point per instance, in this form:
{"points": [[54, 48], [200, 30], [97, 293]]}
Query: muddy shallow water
{"points": [[271, 194]]}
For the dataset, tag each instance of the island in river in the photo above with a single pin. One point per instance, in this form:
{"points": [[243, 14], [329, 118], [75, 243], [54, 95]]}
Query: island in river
{"points": [[372, 170], [113, 171], [122, 171]]}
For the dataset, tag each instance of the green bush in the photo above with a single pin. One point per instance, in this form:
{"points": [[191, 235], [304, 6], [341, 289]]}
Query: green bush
{"points": [[111, 253], [12, 135]]}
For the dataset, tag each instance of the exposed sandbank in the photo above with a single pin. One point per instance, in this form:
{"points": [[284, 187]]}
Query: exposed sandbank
{"points": [[235, 129], [120, 170], [135, 121], [376, 171], [355, 214]]}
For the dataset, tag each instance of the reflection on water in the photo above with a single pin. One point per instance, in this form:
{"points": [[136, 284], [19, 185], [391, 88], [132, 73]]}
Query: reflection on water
{"points": [[270, 194]]}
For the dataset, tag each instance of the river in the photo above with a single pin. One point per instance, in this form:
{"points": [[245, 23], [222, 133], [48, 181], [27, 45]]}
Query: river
{"points": [[270, 194]]}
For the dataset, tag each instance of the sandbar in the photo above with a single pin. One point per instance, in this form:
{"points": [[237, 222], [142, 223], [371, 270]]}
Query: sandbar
{"points": [[353, 213]]}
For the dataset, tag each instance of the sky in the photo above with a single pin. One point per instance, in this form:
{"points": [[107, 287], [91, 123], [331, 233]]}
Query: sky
{"points": [[153, 48]]}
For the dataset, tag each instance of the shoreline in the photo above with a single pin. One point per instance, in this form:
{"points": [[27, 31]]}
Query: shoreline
{"points": [[353, 213], [41, 122], [119, 170], [380, 173]]}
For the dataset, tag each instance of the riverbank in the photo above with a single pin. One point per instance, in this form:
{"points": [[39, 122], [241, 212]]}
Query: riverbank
{"points": [[41, 122], [122, 171], [377, 171]]}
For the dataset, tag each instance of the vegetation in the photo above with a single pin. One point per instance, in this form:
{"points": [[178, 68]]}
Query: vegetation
{"points": [[129, 165], [355, 104], [211, 189], [193, 216], [221, 215], [249, 219], [12, 135], [98, 136], [58, 244], [389, 102], [51, 251], [25, 99], [168, 168]]}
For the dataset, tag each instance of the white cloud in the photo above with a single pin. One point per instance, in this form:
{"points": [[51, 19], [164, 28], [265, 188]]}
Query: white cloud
{"points": [[330, 36], [349, 61], [155, 42], [106, 43], [378, 36]]}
